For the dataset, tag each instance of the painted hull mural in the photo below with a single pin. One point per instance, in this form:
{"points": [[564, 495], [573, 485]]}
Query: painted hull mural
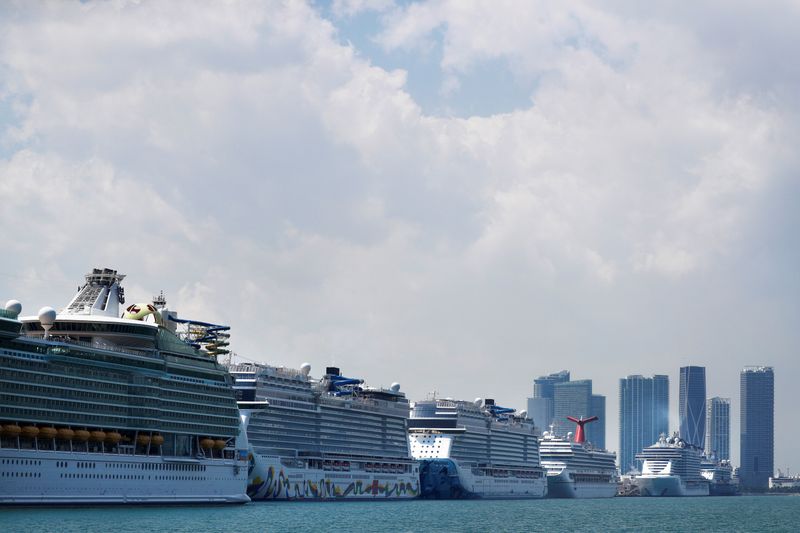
{"points": [[271, 480]]}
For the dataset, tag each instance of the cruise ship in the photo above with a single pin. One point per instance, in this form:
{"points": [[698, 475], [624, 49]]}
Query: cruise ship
{"points": [[332, 438], [475, 450], [719, 475], [103, 407], [575, 469], [671, 467]]}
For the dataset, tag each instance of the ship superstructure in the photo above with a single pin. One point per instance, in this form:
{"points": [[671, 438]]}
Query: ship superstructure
{"points": [[475, 450], [101, 408], [328, 438], [671, 467], [575, 468]]}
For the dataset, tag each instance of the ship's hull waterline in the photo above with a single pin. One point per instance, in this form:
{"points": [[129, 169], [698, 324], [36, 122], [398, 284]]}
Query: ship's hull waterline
{"points": [[447, 479], [669, 486], [33, 477], [271, 479], [561, 486]]}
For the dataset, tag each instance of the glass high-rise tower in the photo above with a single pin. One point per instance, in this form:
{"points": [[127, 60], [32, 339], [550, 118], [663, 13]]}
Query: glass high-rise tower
{"points": [[718, 428], [757, 425], [575, 398], [692, 405], [643, 415], [541, 406]]}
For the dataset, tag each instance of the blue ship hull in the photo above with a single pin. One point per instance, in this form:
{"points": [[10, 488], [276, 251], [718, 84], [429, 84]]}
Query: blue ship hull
{"points": [[439, 480]]}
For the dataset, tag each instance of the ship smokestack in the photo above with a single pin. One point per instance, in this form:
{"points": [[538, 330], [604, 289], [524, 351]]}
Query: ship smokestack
{"points": [[580, 436]]}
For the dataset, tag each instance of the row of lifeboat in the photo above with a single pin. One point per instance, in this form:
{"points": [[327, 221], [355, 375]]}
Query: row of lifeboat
{"points": [[216, 444], [84, 435], [78, 435]]}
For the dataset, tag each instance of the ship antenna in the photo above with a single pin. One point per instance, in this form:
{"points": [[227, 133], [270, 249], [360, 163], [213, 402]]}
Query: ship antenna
{"points": [[580, 436]]}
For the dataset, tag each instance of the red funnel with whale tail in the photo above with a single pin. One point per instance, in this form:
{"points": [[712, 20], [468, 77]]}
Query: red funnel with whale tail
{"points": [[580, 436]]}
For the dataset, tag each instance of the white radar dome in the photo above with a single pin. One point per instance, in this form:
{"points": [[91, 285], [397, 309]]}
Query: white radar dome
{"points": [[395, 387], [47, 316], [305, 368], [523, 413], [478, 401], [14, 306]]}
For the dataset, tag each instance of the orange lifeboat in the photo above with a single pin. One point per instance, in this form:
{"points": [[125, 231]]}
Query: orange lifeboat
{"points": [[157, 440], [30, 431], [219, 444], [113, 437], [48, 433], [207, 444], [144, 440], [82, 435], [65, 434], [11, 430], [97, 436]]}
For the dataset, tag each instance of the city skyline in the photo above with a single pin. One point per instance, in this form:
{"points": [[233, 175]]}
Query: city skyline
{"points": [[455, 196]]}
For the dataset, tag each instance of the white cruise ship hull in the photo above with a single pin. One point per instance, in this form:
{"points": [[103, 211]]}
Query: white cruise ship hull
{"points": [[492, 487], [559, 485], [43, 477], [669, 485], [271, 479]]}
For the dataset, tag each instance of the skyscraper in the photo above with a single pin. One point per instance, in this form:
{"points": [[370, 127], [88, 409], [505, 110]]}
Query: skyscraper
{"points": [[692, 405], [597, 434], [643, 415], [541, 407], [718, 428], [757, 423], [575, 398]]}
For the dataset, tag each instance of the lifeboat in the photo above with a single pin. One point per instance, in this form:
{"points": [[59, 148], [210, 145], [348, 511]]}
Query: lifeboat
{"points": [[30, 431], [11, 430], [219, 444], [97, 436], [48, 433], [207, 444], [144, 440], [113, 437], [65, 434], [157, 440], [82, 435]]}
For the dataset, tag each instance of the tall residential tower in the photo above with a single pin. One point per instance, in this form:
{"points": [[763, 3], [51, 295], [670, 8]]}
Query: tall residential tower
{"points": [[718, 428], [643, 415], [757, 424], [541, 407], [575, 398], [692, 405]]}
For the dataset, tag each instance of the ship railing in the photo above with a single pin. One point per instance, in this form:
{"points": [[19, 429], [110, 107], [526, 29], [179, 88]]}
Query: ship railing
{"points": [[5, 313], [116, 349]]}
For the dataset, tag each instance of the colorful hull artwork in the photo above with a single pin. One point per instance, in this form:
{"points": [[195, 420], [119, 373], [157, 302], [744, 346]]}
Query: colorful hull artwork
{"points": [[270, 480]]}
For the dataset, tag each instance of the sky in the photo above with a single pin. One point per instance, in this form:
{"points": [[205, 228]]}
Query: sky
{"points": [[458, 196]]}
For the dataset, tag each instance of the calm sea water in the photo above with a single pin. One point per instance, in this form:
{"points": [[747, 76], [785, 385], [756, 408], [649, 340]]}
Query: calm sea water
{"points": [[744, 513]]}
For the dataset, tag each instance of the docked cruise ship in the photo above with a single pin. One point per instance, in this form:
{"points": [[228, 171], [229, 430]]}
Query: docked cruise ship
{"points": [[719, 475], [96, 408], [324, 439], [671, 467], [475, 450], [575, 469]]}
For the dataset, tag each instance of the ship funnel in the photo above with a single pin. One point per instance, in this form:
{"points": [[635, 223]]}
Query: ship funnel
{"points": [[580, 436]]}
